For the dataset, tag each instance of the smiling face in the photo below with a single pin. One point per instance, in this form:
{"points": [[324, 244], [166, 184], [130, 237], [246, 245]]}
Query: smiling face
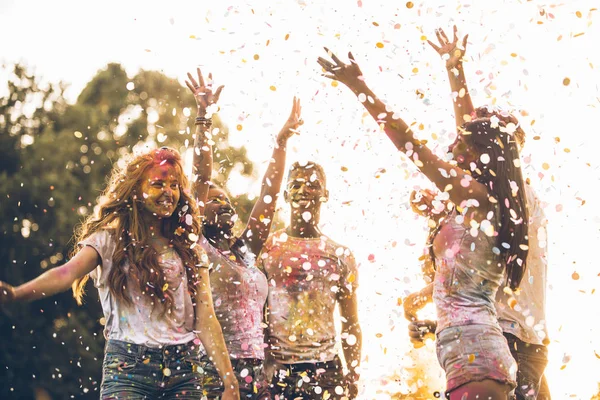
{"points": [[160, 190], [218, 212], [306, 188]]}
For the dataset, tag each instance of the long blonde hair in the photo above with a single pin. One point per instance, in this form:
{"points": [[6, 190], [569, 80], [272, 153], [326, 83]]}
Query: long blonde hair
{"points": [[119, 210]]}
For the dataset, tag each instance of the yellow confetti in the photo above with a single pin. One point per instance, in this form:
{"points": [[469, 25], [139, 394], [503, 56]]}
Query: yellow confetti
{"points": [[575, 276], [334, 83], [256, 56], [415, 70], [471, 358], [375, 23], [512, 302], [379, 45], [578, 13], [513, 54], [165, 287], [378, 335], [166, 372], [192, 37], [351, 277], [239, 127], [273, 88], [423, 38], [566, 81], [344, 169], [287, 36], [146, 361], [546, 166], [409, 4]]}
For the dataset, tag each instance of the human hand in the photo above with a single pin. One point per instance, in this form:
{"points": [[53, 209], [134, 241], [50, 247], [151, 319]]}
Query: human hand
{"points": [[351, 385], [450, 49], [292, 124], [421, 202], [231, 393], [418, 331], [203, 92], [349, 74], [7, 293]]}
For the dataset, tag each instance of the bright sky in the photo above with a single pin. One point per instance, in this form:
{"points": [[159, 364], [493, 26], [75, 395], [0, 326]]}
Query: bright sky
{"points": [[519, 54]]}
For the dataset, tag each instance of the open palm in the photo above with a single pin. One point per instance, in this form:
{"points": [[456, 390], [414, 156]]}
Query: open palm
{"points": [[203, 92], [451, 49], [348, 74]]}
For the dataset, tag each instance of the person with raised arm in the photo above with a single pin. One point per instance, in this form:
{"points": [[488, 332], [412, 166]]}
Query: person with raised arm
{"points": [[521, 314], [481, 243], [239, 287], [140, 249], [310, 274]]}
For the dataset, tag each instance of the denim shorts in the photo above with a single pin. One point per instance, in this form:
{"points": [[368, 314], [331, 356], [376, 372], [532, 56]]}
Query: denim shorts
{"points": [[473, 353], [249, 373], [131, 371]]}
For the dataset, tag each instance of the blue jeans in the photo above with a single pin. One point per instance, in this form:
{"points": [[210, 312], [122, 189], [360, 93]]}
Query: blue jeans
{"points": [[131, 371], [309, 381], [249, 373], [531, 362]]}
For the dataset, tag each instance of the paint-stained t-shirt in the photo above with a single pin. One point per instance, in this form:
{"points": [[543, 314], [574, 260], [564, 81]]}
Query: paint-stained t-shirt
{"points": [[469, 273], [139, 322], [306, 277], [239, 291]]}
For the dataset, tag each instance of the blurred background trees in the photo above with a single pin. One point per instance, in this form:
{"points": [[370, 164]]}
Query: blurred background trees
{"points": [[54, 161]]}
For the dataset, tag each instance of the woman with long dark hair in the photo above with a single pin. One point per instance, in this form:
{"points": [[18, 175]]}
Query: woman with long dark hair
{"points": [[484, 238], [239, 287]]}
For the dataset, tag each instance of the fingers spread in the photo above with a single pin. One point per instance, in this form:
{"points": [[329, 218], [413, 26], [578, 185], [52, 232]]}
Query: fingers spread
{"points": [[436, 48], [200, 78]]}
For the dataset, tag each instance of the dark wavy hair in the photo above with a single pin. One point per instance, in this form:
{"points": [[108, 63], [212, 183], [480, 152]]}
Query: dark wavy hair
{"points": [[503, 178]]}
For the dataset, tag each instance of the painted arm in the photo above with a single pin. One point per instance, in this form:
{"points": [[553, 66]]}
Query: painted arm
{"points": [[448, 178], [202, 161], [53, 281], [209, 332], [261, 218], [416, 301], [453, 53]]}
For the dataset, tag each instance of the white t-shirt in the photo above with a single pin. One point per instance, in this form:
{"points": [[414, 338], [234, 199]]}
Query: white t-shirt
{"points": [[139, 323], [527, 320]]}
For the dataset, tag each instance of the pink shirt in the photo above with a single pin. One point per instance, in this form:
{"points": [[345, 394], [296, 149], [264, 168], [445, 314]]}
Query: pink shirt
{"points": [[239, 291], [306, 276]]}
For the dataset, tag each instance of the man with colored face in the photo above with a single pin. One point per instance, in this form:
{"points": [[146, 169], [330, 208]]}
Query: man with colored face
{"points": [[308, 275]]}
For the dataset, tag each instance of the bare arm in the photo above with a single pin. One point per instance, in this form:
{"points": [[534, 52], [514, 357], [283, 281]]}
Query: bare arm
{"points": [[352, 352], [453, 52], [209, 332], [53, 281], [416, 301], [448, 178], [203, 158], [259, 225]]}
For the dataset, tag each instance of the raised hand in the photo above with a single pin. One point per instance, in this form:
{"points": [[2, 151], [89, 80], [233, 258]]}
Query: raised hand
{"points": [[203, 92], [451, 51], [349, 74], [7, 293], [291, 125]]}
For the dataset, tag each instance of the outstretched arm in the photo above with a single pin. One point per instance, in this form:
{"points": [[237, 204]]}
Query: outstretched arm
{"points": [[448, 178], [202, 159], [53, 281], [209, 332], [261, 218], [453, 52]]}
